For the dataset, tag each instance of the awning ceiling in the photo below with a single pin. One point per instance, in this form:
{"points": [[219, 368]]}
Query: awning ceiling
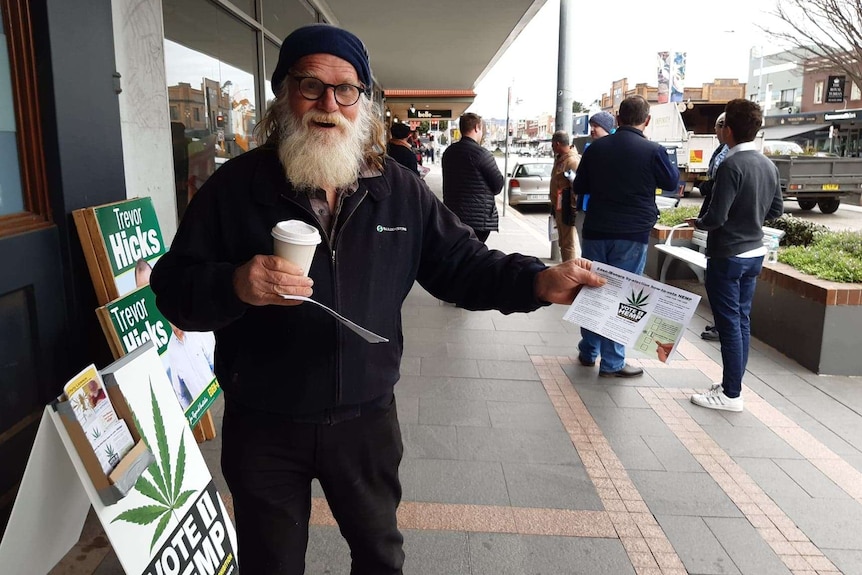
{"points": [[782, 132]]}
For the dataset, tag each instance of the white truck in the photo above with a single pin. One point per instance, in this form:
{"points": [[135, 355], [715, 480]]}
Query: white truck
{"points": [[692, 150]]}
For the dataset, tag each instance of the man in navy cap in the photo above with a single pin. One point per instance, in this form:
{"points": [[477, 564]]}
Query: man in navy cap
{"points": [[306, 398]]}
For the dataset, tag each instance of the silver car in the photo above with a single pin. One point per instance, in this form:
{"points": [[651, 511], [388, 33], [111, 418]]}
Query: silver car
{"points": [[530, 182]]}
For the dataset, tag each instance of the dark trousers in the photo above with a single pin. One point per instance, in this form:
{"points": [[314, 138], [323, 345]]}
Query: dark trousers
{"points": [[730, 285], [482, 235], [269, 463]]}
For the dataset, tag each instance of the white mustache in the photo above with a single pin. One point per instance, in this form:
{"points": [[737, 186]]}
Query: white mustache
{"points": [[324, 118]]}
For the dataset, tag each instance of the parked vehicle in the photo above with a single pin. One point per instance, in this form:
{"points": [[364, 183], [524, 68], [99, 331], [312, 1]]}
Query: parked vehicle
{"points": [[818, 181], [530, 182], [782, 148]]}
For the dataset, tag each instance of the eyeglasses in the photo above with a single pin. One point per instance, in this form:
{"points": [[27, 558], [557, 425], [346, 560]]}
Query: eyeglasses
{"points": [[313, 89]]}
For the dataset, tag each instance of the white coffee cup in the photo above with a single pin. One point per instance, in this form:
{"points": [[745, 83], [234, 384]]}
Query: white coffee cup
{"points": [[295, 241]]}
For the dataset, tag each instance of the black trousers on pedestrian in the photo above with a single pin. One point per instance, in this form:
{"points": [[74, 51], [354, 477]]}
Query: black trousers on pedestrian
{"points": [[482, 235], [269, 463]]}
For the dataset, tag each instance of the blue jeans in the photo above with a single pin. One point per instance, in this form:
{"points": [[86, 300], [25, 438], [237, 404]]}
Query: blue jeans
{"points": [[626, 255], [730, 284]]}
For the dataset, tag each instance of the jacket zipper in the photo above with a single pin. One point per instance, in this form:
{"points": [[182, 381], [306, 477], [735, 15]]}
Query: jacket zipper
{"points": [[340, 229]]}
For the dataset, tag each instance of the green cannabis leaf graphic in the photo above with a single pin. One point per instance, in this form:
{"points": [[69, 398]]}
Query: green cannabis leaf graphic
{"points": [[638, 300], [164, 488]]}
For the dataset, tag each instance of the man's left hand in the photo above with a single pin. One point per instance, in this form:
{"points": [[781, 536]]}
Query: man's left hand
{"points": [[560, 283]]}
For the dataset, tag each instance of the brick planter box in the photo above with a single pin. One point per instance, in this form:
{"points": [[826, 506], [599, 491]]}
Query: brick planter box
{"points": [[813, 321]]}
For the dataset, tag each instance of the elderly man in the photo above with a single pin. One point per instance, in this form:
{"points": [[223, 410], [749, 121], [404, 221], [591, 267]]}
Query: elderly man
{"points": [[305, 397], [620, 173]]}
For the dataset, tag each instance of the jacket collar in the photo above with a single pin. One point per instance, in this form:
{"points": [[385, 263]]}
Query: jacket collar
{"points": [[269, 181]]}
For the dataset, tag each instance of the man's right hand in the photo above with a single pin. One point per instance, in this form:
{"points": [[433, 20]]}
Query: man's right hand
{"points": [[262, 280]]}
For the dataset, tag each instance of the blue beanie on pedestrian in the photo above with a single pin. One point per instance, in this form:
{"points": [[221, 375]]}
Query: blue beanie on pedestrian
{"points": [[603, 120], [322, 39]]}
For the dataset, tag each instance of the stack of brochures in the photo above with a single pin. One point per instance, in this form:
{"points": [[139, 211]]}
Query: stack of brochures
{"points": [[108, 434]]}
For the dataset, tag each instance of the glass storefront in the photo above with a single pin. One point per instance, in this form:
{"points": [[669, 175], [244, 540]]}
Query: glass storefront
{"points": [[212, 62], [11, 194]]}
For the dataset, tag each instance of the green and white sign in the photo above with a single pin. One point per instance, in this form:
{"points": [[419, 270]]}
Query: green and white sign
{"points": [[187, 357]]}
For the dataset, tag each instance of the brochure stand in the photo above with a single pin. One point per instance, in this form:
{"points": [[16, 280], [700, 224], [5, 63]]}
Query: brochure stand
{"points": [[121, 242], [159, 507]]}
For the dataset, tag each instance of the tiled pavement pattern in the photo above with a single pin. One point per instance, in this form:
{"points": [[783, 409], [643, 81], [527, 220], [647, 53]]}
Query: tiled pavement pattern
{"points": [[519, 460]]}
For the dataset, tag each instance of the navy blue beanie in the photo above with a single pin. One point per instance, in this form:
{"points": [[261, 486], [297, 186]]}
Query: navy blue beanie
{"points": [[322, 39], [603, 120]]}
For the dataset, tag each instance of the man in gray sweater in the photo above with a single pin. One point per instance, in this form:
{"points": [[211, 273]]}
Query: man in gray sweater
{"points": [[746, 193]]}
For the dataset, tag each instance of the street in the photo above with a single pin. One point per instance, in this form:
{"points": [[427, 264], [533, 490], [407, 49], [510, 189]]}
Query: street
{"points": [[848, 217]]}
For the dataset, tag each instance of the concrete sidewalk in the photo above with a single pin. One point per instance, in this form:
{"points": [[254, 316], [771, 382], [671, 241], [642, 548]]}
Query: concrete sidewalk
{"points": [[519, 460]]}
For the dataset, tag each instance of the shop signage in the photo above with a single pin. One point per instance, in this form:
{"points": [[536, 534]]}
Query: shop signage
{"points": [[842, 115], [835, 89], [428, 114]]}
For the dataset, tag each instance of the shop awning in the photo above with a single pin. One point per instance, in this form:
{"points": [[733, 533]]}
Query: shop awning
{"points": [[786, 131]]}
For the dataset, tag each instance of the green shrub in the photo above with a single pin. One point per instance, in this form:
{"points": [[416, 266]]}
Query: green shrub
{"points": [[833, 256], [678, 215], [797, 232]]}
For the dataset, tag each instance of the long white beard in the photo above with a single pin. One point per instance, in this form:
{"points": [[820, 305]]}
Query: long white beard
{"points": [[324, 158]]}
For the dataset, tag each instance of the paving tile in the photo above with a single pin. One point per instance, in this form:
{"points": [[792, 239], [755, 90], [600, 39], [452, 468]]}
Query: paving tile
{"points": [[829, 523], [750, 554], [503, 554], [772, 479], [434, 552], [594, 395], [522, 322], [674, 493], [327, 551], [751, 442], [447, 481], [671, 454], [453, 367], [429, 441], [811, 479], [408, 409], [508, 414], [490, 351], [411, 366], [626, 421], [550, 486], [685, 378], [627, 397], [522, 370], [696, 546], [453, 412], [516, 445], [849, 561], [424, 349], [633, 452]]}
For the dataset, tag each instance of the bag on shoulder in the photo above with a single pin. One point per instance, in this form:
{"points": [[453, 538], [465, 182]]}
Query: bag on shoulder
{"points": [[568, 209]]}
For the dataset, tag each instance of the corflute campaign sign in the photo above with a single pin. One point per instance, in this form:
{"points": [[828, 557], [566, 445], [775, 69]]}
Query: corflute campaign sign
{"points": [[173, 520], [121, 242], [187, 357]]}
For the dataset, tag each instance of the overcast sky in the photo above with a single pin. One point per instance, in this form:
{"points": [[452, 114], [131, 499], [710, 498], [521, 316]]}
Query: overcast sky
{"points": [[615, 40]]}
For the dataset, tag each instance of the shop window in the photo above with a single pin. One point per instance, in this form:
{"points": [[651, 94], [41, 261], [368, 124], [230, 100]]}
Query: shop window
{"points": [[211, 68], [818, 91], [23, 186], [855, 93]]}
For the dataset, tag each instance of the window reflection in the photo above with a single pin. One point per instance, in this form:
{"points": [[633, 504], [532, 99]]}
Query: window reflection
{"points": [[11, 193]]}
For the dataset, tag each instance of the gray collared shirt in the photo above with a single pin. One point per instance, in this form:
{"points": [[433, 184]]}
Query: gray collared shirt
{"points": [[320, 206]]}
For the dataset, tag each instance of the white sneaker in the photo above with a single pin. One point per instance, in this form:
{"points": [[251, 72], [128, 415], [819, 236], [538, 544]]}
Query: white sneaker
{"points": [[715, 399]]}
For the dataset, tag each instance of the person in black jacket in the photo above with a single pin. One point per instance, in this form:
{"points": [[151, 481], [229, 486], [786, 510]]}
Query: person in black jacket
{"points": [[621, 173], [399, 149], [471, 179], [305, 397]]}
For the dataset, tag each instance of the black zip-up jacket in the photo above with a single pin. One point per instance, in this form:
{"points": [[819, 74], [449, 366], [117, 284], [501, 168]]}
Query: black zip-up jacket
{"points": [[471, 179], [298, 360]]}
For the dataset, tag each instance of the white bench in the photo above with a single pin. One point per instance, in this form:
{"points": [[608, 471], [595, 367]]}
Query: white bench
{"points": [[696, 259]]}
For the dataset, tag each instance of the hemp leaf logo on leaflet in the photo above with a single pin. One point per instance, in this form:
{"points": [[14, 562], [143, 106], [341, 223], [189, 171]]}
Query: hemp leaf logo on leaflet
{"points": [[165, 487], [639, 299], [633, 310]]}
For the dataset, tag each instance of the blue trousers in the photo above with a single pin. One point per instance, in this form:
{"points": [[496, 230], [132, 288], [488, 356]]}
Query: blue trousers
{"points": [[730, 284], [626, 255]]}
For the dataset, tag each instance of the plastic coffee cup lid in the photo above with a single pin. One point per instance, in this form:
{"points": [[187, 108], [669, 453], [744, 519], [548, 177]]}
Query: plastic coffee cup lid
{"points": [[296, 232]]}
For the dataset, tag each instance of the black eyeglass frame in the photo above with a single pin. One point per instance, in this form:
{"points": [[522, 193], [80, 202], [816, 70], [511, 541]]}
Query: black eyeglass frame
{"points": [[299, 80]]}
